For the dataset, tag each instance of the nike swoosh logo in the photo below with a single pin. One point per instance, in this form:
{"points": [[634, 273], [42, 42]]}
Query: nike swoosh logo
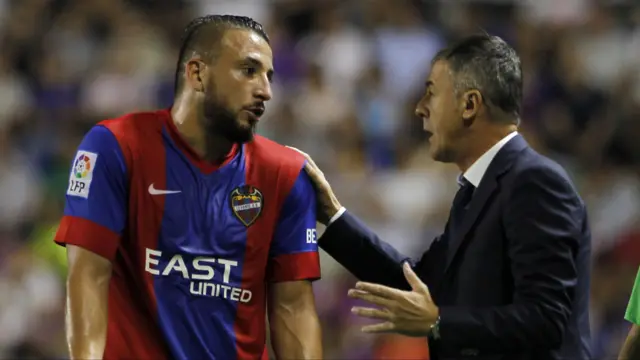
{"points": [[154, 191]]}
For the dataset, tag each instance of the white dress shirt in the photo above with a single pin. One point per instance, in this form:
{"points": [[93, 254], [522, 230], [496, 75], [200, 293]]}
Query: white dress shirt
{"points": [[473, 174]]}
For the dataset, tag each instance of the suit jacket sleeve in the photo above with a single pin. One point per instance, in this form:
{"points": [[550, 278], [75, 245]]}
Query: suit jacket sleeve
{"points": [[363, 253], [544, 220]]}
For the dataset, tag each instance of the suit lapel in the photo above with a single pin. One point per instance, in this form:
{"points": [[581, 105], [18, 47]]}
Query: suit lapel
{"points": [[480, 198], [488, 186]]}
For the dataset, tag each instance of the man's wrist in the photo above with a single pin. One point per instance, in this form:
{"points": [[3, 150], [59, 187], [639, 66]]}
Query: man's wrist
{"points": [[434, 329], [337, 215]]}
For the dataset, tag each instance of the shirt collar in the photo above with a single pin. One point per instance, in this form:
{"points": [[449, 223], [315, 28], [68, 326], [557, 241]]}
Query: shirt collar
{"points": [[476, 171]]}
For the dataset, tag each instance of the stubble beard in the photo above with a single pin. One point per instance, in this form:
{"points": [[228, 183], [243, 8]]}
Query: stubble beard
{"points": [[221, 121]]}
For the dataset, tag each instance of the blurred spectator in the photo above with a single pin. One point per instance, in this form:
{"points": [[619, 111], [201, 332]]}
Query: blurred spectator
{"points": [[19, 187], [15, 95]]}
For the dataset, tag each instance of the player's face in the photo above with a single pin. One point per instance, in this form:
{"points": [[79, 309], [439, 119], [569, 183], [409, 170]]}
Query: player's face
{"points": [[239, 84], [441, 114]]}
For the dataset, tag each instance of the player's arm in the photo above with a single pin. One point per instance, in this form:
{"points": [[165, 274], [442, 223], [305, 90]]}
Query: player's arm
{"points": [[94, 217], [86, 308], [294, 323], [631, 348], [294, 264]]}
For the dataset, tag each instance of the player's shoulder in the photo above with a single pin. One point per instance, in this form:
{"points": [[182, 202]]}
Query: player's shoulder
{"points": [[135, 126], [273, 155], [275, 166]]}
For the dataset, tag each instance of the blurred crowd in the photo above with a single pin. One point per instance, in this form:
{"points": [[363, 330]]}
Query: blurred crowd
{"points": [[348, 76]]}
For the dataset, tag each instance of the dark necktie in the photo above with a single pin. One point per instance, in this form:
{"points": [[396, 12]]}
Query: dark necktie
{"points": [[460, 204]]}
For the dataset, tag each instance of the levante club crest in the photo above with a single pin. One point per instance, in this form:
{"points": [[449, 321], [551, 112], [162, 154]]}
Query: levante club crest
{"points": [[246, 203]]}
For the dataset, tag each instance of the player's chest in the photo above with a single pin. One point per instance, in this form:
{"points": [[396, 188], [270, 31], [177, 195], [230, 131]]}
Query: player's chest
{"points": [[202, 213]]}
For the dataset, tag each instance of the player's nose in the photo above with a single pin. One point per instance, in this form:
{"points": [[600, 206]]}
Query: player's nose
{"points": [[263, 91]]}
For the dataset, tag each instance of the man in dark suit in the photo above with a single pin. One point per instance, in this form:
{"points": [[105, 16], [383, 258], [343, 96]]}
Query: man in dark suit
{"points": [[509, 276]]}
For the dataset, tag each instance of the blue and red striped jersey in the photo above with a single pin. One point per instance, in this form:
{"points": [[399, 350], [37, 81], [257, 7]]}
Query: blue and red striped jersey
{"points": [[193, 246]]}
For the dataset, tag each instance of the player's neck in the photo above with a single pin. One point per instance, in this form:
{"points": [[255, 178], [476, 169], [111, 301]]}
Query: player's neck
{"points": [[208, 146]]}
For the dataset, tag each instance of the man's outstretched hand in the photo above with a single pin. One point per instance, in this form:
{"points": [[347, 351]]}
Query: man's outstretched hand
{"points": [[410, 313], [328, 204]]}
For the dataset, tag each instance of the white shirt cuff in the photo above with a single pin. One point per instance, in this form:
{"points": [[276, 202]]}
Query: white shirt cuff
{"points": [[337, 215]]}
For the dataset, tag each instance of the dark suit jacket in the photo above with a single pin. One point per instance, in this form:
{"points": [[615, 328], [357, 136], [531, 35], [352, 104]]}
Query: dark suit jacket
{"points": [[514, 281]]}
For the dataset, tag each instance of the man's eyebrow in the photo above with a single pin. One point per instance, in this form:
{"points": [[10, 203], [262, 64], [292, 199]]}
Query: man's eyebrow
{"points": [[257, 63]]}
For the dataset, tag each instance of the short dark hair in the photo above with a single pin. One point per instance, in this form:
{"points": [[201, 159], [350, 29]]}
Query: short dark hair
{"points": [[487, 63], [199, 41]]}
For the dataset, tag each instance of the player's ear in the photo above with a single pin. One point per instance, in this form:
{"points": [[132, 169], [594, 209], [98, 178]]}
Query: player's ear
{"points": [[194, 72], [471, 101]]}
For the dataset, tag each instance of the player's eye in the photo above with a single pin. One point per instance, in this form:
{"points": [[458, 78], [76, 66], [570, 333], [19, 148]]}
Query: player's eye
{"points": [[250, 70]]}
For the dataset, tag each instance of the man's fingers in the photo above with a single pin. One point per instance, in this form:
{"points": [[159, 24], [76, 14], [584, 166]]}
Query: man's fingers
{"points": [[306, 156], [380, 290], [313, 164], [372, 313], [413, 279], [310, 166], [379, 328], [374, 299], [311, 169], [298, 150]]}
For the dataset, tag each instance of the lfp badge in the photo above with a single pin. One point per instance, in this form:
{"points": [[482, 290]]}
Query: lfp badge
{"points": [[82, 165], [82, 174], [246, 203]]}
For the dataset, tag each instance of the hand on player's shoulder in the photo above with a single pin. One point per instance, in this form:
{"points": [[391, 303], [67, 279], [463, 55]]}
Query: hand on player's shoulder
{"points": [[328, 204]]}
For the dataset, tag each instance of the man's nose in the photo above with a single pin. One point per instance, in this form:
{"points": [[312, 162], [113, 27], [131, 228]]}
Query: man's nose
{"points": [[421, 111], [263, 90]]}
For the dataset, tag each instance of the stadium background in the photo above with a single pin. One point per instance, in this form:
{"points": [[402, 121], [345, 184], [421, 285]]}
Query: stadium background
{"points": [[349, 74]]}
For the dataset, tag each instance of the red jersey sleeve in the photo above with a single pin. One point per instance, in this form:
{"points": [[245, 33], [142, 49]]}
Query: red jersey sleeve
{"points": [[294, 250], [96, 200]]}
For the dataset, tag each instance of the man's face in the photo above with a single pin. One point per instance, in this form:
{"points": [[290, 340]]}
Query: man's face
{"points": [[441, 114], [238, 84]]}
